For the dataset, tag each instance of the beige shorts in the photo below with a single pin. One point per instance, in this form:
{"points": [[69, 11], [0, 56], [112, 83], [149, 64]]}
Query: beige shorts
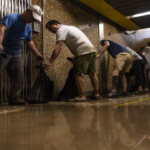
{"points": [[123, 62]]}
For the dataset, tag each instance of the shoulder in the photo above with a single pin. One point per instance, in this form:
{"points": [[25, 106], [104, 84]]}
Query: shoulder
{"points": [[10, 19], [63, 27], [28, 27], [146, 48], [106, 41], [66, 27], [73, 28], [12, 16]]}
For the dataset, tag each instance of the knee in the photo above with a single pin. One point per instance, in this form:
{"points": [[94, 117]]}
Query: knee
{"points": [[140, 78], [91, 74], [78, 75], [93, 77], [115, 72], [115, 81], [121, 74]]}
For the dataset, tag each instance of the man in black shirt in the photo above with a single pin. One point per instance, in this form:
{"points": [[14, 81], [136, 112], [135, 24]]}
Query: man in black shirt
{"points": [[123, 62], [139, 71]]}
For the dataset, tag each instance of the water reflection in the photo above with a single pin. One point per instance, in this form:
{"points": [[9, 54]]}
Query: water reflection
{"points": [[132, 127], [89, 126]]}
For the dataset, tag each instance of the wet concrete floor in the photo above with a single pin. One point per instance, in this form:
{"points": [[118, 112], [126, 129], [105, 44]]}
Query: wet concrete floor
{"points": [[108, 124]]}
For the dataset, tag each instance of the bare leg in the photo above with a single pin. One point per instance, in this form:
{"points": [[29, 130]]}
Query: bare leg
{"points": [[123, 81], [140, 88], [94, 81], [80, 85], [115, 73]]}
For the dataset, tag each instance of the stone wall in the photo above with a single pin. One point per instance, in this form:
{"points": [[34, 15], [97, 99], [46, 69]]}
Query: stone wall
{"points": [[68, 14], [38, 40], [135, 41]]}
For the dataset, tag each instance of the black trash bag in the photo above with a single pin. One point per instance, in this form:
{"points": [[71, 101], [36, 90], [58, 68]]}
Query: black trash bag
{"points": [[42, 91], [69, 91]]}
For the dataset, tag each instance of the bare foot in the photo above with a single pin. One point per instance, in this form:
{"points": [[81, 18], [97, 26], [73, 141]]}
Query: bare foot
{"points": [[96, 97], [78, 99]]}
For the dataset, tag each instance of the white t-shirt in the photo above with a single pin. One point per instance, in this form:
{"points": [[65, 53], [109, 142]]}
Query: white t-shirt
{"points": [[75, 40], [146, 50], [147, 54]]}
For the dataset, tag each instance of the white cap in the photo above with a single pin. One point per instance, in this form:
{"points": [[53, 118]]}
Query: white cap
{"points": [[37, 12]]}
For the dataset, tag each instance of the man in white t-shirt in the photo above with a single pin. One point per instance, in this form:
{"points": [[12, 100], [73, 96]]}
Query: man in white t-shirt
{"points": [[146, 52], [84, 52]]}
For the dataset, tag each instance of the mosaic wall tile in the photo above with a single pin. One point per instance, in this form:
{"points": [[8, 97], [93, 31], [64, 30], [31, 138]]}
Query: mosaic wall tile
{"points": [[38, 41], [69, 14], [135, 41]]}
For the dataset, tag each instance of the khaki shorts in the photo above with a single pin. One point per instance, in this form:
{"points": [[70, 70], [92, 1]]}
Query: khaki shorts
{"points": [[123, 62], [85, 63]]}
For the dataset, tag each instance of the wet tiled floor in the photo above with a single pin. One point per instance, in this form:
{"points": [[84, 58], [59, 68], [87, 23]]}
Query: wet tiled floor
{"points": [[9, 109], [108, 124]]}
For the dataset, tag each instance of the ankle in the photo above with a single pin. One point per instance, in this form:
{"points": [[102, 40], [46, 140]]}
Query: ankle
{"points": [[124, 90], [82, 96], [96, 93], [114, 90]]}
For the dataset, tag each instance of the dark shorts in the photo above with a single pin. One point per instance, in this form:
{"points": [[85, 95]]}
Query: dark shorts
{"points": [[85, 63]]}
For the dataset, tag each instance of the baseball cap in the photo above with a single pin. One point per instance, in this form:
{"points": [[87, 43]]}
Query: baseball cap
{"points": [[37, 12]]}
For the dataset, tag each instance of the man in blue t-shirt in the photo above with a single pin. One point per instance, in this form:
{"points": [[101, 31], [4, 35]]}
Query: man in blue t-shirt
{"points": [[123, 62], [14, 29]]}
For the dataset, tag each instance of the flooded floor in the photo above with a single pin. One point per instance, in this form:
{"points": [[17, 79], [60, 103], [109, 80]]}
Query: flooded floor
{"points": [[108, 124]]}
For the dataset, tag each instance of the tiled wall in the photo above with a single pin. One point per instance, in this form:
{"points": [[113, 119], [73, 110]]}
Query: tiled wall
{"points": [[68, 14], [38, 41], [135, 41]]}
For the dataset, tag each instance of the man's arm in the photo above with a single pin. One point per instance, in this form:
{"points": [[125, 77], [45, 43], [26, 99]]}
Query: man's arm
{"points": [[55, 54], [32, 47], [56, 51], [104, 48], [6, 23], [3, 28]]}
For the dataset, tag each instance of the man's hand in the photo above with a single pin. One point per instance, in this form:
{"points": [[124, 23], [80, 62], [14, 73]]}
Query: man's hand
{"points": [[39, 57], [1, 47], [3, 28], [98, 55], [47, 65], [34, 50], [1, 51]]}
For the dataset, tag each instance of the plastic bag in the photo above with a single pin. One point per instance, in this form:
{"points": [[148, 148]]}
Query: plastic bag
{"points": [[69, 91], [43, 89]]}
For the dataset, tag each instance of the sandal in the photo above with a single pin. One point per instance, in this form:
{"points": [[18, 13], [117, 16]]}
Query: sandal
{"points": [[94, 97]]}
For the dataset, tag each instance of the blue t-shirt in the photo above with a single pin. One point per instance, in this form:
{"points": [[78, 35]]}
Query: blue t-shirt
{"points": [[115, 48], [16, 33]]}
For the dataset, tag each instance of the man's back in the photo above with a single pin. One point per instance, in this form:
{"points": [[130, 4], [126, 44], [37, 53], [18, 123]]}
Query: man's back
{"points": [[75, 40], [16, 33], [146, 50], [116, 48]]}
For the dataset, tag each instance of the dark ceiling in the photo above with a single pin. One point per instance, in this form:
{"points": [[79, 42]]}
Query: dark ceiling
{"points": [[143, 22], [132, 7]]}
